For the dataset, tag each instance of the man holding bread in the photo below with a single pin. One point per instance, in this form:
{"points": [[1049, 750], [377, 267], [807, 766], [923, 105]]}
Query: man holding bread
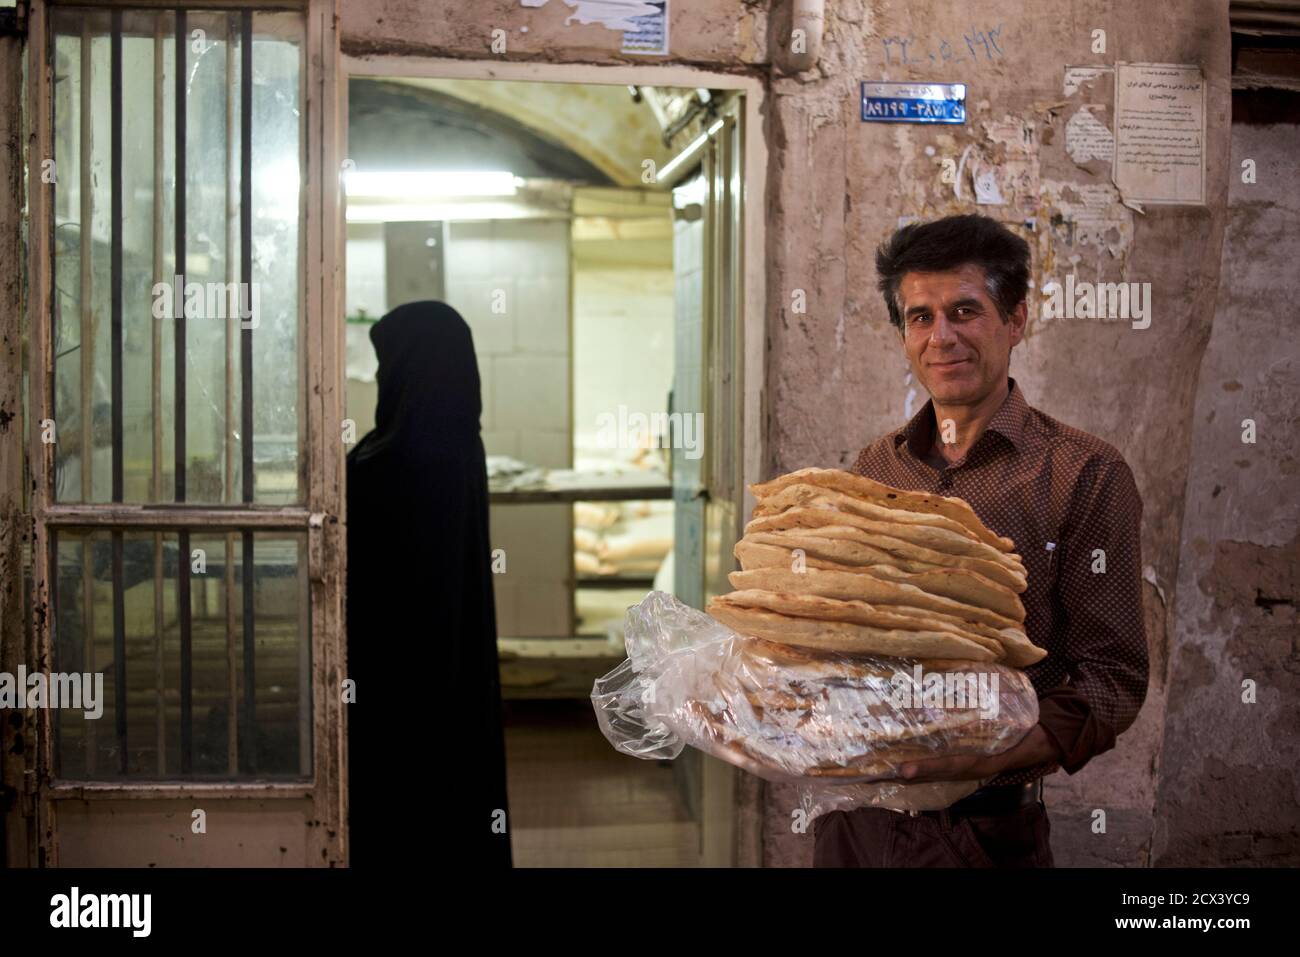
{"points": [[956, 291]]}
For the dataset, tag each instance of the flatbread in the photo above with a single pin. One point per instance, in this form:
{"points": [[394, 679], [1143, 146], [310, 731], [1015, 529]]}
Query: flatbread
{"points": [[762, 755], [861, 487], [834, 609], [784, 711], [908, 556], [940, 540], [957, 583], [851, 584], [1019, 651], [1011, 643], [846, 637], [802, 494]]}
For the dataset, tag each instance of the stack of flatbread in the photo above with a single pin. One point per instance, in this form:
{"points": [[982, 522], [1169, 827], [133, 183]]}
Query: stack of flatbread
{"points": [[783, 712], [837, 562], [847, 585]]}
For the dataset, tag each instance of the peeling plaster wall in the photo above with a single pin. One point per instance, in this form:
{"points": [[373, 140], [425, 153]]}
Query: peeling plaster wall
{"points": [[715, 33], [1228, 788], [836, 376]]}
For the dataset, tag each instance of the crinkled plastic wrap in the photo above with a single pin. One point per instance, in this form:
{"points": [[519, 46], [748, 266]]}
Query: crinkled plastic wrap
{"points": [[840, 726]]}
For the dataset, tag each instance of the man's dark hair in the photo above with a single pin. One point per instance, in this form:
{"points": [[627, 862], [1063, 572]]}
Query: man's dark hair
{"points": [[951, 243]]}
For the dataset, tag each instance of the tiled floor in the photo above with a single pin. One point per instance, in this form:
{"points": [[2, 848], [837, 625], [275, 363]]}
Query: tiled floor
{"points": [[576, 802]]}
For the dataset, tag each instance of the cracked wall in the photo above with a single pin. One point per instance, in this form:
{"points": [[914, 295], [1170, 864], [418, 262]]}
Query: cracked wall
{"points": [[1228, 791]]}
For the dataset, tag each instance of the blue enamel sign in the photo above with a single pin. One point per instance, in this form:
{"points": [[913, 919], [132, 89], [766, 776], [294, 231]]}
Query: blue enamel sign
{"points": [[914, 102]]}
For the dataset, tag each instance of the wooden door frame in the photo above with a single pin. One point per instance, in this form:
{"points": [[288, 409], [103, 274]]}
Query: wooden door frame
{"points": [[320, 518], [723, 830]]}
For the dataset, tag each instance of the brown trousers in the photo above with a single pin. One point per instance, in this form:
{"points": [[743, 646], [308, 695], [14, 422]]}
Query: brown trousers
{"points": [[876, 837]]}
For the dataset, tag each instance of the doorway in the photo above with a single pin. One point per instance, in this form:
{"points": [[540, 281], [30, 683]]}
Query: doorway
{"points": [[591, 231]]}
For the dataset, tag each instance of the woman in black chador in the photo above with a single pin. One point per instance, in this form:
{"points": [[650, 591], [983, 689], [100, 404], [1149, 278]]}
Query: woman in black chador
{"points": [[426, 752]]}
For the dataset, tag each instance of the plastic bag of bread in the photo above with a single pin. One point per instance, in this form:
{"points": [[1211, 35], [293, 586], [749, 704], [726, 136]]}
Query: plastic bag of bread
{"points": [[839, 724]]}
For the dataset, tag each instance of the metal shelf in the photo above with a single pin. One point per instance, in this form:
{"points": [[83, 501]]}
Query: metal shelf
{"points": [[599, 489]]}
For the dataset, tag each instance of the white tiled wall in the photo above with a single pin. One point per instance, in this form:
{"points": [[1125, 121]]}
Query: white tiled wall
{"points": [[623, 347], [510, 280]]}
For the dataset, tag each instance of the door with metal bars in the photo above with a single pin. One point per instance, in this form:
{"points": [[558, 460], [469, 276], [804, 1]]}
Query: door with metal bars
{"points": [[185, 437]]}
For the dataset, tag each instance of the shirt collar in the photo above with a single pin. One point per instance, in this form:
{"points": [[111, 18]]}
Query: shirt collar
{"points": [[1008, 421]]}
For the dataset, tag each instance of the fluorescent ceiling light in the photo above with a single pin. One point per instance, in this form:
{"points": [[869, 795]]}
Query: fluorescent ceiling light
{"points": [[416, 185]]}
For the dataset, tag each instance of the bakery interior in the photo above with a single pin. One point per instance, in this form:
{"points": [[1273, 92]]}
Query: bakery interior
{"points": [[585, 297]]}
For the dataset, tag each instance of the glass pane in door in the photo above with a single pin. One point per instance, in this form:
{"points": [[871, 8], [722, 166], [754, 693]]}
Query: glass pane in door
{"points": [[160, 245], [192, 652]]}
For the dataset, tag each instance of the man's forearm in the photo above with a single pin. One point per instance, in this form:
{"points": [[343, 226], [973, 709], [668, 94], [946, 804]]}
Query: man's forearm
{"points": [[1035, 748]]}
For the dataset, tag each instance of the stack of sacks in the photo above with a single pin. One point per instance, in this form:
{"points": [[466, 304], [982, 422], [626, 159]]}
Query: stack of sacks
{"points": [[838, 562], [630, 541]]}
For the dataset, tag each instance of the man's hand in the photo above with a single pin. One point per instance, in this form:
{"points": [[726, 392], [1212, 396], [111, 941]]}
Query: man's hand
{"points": [[1034, 748]]}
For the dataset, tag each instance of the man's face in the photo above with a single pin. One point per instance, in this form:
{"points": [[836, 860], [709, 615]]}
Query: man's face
{"points": [[958, 346]]}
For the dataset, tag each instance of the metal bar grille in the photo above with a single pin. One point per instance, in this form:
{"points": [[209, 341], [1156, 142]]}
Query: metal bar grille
{"points": [[87, 358], [179, 313], [119, 599], [115, 160], [183, 606], [246, 245], [155, 398], [249, 738], [119, 654], [187, 651]]}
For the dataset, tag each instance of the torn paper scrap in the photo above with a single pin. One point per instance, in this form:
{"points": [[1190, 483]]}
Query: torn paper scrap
{"points": [[614, 14], [1089, 216], [1012, 181], [1160, 133], [1087, 138], [988, 191], [1077, 76], [1013, 132]]}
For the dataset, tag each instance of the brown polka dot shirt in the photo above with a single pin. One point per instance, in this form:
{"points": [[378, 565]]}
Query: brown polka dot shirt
{"points": [[1069, 502]]}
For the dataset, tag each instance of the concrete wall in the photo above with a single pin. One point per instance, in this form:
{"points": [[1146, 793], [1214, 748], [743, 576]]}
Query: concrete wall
{"points": [[1227, 789]]}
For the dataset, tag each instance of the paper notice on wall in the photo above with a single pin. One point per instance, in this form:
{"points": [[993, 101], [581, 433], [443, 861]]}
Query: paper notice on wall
{"points": [[988, 188], [650, 34], [1004, 168], [1091, 215], [1086, 137], [1160, 133], [644, 22], [1078, 76], [1012, 181]]}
